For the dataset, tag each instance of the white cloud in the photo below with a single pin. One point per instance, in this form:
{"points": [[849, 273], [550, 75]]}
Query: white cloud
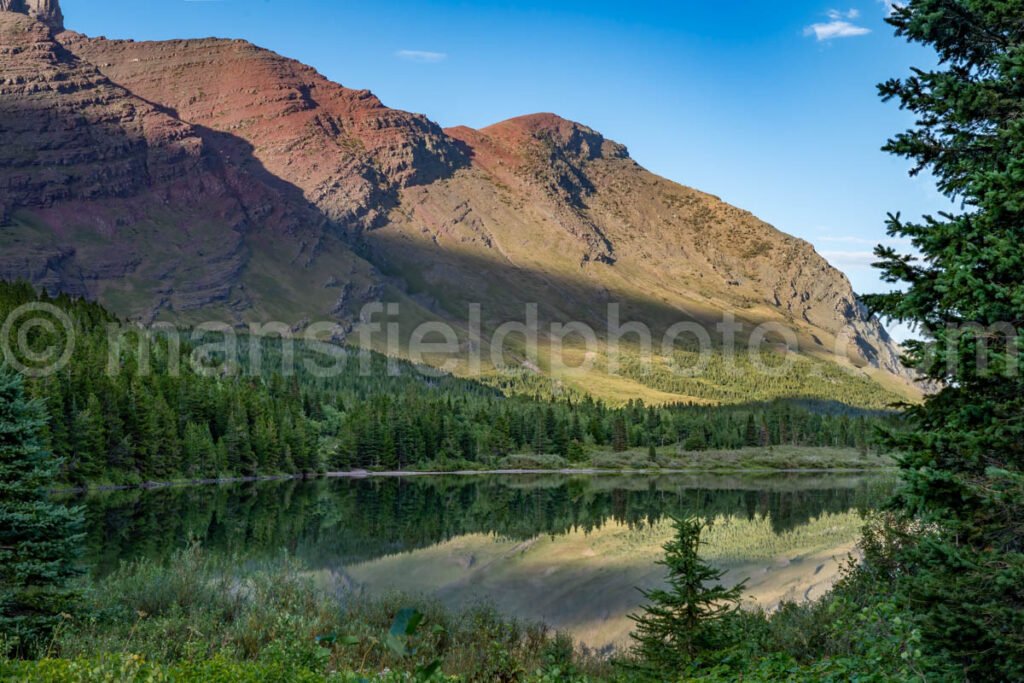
{"points": [[851, 252], [836, 15], [835, 29], [421, 56], [839, 25]]}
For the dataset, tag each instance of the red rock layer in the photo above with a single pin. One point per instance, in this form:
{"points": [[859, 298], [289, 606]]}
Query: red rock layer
{"points": [[348, 152], [108, 195]]}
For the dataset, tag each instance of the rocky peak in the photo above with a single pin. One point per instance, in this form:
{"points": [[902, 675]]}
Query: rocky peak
{"points": [[566, 137], [46, 11]]}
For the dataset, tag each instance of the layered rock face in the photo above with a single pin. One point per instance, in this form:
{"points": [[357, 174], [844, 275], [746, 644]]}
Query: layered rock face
{"points": [[46, 11], [69, 133], [347, 152], [104, 194], [179, 178]]}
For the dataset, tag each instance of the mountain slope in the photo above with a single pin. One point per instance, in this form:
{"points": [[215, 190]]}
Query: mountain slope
{"points": [[208, 177], [107, 195], [546, 195], [347, 152]]}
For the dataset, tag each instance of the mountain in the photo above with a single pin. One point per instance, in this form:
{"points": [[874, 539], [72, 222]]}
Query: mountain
{"points": [[195, 178], [107, 195]]}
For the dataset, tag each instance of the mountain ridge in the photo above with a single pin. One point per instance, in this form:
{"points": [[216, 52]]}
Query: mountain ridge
{"points": [[328, 199]]}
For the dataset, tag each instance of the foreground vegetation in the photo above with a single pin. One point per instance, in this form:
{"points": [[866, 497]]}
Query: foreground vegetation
{"points": [[197, 608], [198, 618]]}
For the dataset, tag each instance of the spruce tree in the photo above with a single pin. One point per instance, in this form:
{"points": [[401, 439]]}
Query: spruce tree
{"points": [[750, 434], [577, 453], [963, 448], [620, 438], [90, 444], [687, 619], [38, 537]]}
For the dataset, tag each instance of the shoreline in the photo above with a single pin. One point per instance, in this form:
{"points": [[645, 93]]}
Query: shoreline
{"points": [[369, 474]]}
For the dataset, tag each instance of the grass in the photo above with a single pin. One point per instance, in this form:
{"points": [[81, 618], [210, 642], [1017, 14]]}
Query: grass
{"points": [[671, 458], [782, 457], [529, 461], [273, 622]]}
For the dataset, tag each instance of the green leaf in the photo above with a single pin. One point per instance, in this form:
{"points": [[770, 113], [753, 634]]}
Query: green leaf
{"points": [[406, 622], [396, 644], [428, 671]]}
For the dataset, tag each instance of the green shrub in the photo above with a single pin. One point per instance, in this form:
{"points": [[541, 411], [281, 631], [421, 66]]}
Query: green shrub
{"points": [[195, 615]]}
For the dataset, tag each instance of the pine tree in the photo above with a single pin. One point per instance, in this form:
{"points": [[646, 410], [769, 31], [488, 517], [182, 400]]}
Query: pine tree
{"points": [[620, 439], [577, 453], [696, 441], [90, 444], [238, 448], [560, 440], [501, 437], [38, 538], [576, 428], [541, 440], [199, 452], [963, 447], [750, 435], [689, 617]]}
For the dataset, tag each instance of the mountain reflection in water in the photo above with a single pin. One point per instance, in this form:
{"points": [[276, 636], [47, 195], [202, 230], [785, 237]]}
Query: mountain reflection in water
{"points": [[566, 549]]}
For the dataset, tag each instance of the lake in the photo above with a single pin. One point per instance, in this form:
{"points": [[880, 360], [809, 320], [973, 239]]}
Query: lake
{"points": [[569, 550]]}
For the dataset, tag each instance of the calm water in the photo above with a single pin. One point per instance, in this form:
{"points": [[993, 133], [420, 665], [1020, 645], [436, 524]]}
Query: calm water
{"points": [[569, 550]]}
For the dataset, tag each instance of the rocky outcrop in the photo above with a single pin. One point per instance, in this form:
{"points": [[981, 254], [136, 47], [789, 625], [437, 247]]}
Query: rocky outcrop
{"points": [[46, 11], [553, 201], [69, 133]]}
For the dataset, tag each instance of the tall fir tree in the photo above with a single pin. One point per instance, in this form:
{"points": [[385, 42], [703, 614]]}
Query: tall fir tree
{"points": [[963, 450], [39, 538], [90, 443]]}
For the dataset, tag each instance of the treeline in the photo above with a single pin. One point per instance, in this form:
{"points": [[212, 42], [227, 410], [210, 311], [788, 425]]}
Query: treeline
{"points": [[396, 431], [152, 416], [133, 424]]}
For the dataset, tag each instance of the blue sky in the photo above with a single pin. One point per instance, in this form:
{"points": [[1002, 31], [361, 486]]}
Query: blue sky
{"points": [[769, 105]]}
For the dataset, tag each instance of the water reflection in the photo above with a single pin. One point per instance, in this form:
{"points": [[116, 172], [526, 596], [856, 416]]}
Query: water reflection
{"points": [[566, 549]]}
